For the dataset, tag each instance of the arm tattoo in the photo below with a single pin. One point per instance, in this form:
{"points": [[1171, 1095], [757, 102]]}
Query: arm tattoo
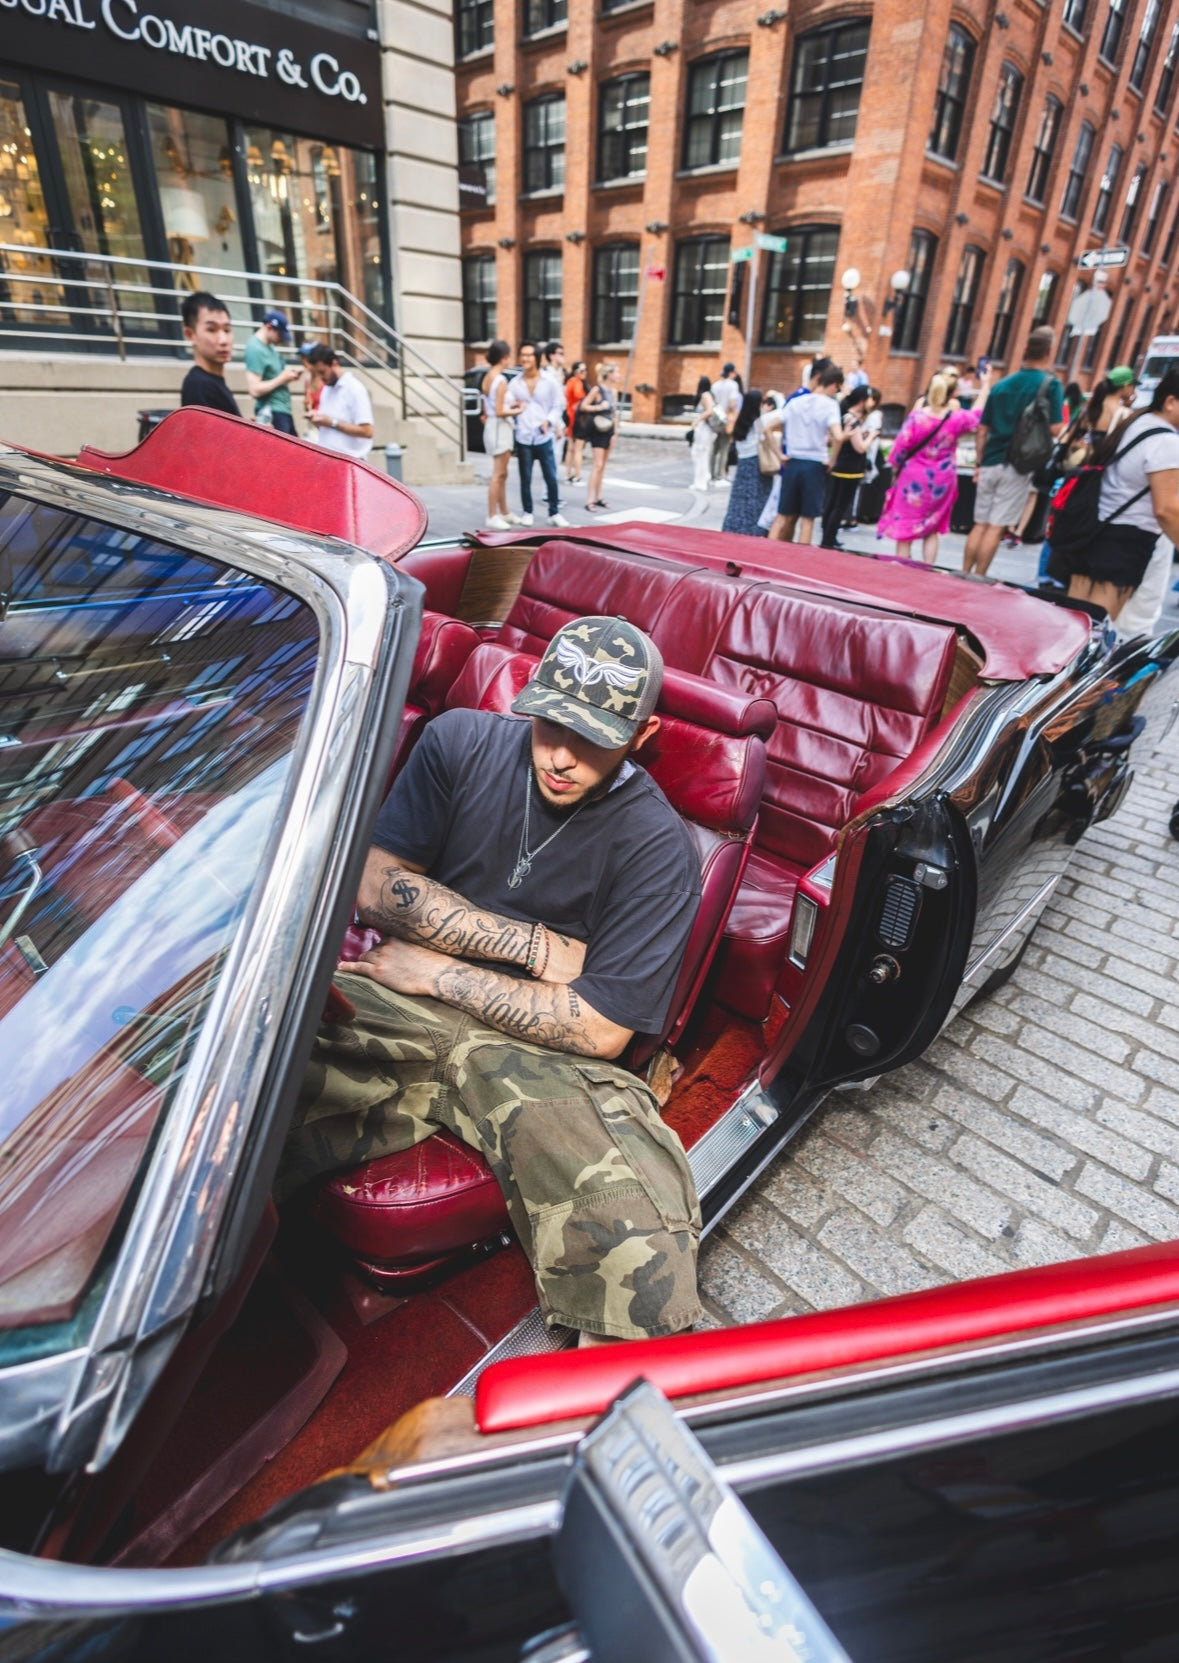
{"points": [[416, 908], [544, 1013]]}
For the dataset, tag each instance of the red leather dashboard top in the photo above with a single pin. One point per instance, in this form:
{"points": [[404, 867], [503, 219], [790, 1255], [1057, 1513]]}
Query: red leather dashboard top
{"points": [[1020, 635], [232, 463], [567, 1385]]}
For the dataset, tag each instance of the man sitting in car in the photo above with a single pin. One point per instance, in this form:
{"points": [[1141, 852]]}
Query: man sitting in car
{"points": [[535, 892]]}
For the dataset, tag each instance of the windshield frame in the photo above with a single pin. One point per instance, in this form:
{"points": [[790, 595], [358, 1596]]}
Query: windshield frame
{"points": [[72, 1408]]}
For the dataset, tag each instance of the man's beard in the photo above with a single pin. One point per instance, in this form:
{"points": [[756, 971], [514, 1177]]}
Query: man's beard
{"points": [[599, 790]]}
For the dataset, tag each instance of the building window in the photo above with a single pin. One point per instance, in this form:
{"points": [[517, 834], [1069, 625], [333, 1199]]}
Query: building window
{"points": [[476, 136], [479, 298], [1068, 340], [1044, 149], [1074, 14], [716, 107], [698, 300], [1133, 203], [1105, 190], [616, 293], [825, 85], [542, 294], [1162, 97], [1003, 114], [952, 86], [623, 109], [475, 20], [1172, 239], [1070, 203], [1143, 335], [1111, 39], [962, 303], [540, 15], [906, 333], [798, 293], [544, 144], [1005, 310], [1046, 299], [1150, 22]]}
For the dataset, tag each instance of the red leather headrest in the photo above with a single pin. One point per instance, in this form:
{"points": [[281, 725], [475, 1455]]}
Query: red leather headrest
{"points": [[490, 679], [715, 779], [724, 710]]}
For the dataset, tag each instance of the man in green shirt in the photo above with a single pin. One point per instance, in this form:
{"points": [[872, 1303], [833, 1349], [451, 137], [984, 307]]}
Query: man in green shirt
{"points": [[1001, 493], [267, 377]]}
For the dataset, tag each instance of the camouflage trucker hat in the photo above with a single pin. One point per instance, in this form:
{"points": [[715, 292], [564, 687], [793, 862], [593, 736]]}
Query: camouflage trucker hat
{"points": [[600, 677]]}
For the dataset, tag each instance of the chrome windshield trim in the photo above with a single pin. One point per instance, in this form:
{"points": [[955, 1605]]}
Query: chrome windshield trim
{"points": [[160, 1266]]}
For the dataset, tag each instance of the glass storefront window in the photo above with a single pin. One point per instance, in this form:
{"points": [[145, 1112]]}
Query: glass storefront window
{"points": [[101, 189], [29, 295], [193, 159]]}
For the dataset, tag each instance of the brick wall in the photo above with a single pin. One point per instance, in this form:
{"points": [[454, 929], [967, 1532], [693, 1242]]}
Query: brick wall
{"points": [[876, 191]]}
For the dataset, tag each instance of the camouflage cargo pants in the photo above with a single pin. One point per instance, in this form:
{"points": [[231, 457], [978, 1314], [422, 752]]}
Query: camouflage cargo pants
{"points": [[598, 1188]]}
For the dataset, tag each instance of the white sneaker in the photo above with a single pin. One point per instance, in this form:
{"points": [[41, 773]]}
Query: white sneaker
{"points": [[558, 519], [700, 488], [519, 519], [499, 522]]}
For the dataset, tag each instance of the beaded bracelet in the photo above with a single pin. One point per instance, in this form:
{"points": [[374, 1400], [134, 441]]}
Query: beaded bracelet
{"points": [[540, 974], [530, 963]]}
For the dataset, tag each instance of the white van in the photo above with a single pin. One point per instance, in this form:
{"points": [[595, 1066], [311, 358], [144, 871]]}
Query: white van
{"points": [[1161, 355]]}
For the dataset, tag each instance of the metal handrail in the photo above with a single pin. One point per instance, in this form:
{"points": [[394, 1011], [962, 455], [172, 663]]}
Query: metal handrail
{"points": [[419, 388]]}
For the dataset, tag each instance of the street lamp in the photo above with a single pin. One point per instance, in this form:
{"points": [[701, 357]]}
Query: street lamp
{"points": [[899, 284], [851, 282]]}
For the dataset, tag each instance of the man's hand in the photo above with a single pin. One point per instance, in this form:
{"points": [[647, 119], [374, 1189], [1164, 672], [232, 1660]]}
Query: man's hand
{"points": [[566, 958], [400, 966]]}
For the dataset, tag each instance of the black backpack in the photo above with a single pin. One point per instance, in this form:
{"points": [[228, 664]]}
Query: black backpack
{"points": [[1031, 443], [1073, 514]]}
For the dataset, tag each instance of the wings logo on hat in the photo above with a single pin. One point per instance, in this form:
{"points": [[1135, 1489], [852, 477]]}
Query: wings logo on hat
{"points": [[573, 658]]}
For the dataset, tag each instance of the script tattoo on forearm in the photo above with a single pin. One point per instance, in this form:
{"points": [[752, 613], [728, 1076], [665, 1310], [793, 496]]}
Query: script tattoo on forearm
{"points": [[416, 908], [540, 1012]]}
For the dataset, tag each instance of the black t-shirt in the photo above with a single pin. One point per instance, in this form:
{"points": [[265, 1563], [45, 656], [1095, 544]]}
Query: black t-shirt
{"points": [[850, 463], [622, 876], [212, 391]]}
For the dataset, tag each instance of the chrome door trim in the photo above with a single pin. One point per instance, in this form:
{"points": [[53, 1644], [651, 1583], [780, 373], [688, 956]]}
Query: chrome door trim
{"points": [[1037, 902]]}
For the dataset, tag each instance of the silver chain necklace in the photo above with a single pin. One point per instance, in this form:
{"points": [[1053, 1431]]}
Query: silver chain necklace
{"points": [[525, 856]]}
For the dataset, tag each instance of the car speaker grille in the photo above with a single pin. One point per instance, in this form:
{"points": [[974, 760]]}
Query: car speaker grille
{"points": [[898, 915]]}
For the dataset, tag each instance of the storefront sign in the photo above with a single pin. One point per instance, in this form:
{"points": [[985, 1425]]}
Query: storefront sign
{"points": [[239, 58]]}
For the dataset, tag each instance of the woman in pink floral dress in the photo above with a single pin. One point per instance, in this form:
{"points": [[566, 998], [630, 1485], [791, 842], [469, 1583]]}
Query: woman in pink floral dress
{"points": [[921, 497]]}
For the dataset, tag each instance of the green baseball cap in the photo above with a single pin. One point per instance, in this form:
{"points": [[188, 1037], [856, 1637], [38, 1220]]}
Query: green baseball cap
{"points": [[1121, 376], [599, 677]]}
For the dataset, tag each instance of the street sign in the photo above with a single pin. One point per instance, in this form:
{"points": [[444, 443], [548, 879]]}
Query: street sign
{"points": [[736, 255], [656, 274], [1089, 311], [770, 242], [1098, 257]]}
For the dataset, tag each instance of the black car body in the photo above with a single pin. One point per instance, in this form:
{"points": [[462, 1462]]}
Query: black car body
{"points": [[201, 707]]}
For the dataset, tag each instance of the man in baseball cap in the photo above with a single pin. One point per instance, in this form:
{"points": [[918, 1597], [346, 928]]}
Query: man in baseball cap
{"points": [[535, 892], [268, 377]]}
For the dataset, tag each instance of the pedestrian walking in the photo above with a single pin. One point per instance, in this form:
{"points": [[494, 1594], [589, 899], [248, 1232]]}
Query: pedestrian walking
{"points": [[751, 486], [552, 364], [343, 419], [703, 435], [848, 466], [540, 403], [1001, 489], [812, 424], [726, 397], [1139, 498], [920, 501], [270, 379], [575, 390], [873, 423], [208, 329], [499, 435], [1109, 403], [601, 409]]}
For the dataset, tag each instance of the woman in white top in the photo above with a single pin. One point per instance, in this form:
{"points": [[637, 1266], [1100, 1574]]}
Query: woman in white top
{"points": [[702, 435], [498, 435], [1139, 498]]}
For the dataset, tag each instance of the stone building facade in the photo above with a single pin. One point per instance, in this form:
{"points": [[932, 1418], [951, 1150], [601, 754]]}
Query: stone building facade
{"points": [[632, 148]]}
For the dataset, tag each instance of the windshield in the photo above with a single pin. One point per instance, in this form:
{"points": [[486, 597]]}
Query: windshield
{"points": [[150, 700], [1155, 368]]}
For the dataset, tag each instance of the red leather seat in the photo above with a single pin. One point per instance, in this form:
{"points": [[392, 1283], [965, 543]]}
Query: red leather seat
{"points": [[444, 646], [407, 1217]]}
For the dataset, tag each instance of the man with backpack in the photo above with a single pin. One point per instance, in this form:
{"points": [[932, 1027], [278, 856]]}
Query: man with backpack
{"points": [[1024, 412]]}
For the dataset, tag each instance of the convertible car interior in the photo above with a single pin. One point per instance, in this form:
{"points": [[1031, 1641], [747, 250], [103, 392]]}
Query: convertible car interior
{"points": [[809, 697]]}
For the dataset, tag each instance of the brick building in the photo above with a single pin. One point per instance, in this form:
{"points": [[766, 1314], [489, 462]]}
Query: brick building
{"points": [[980, 147]]}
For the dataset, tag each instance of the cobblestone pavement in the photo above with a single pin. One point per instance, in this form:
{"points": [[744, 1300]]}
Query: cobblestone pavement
{"points": [[1043, 1124]]}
